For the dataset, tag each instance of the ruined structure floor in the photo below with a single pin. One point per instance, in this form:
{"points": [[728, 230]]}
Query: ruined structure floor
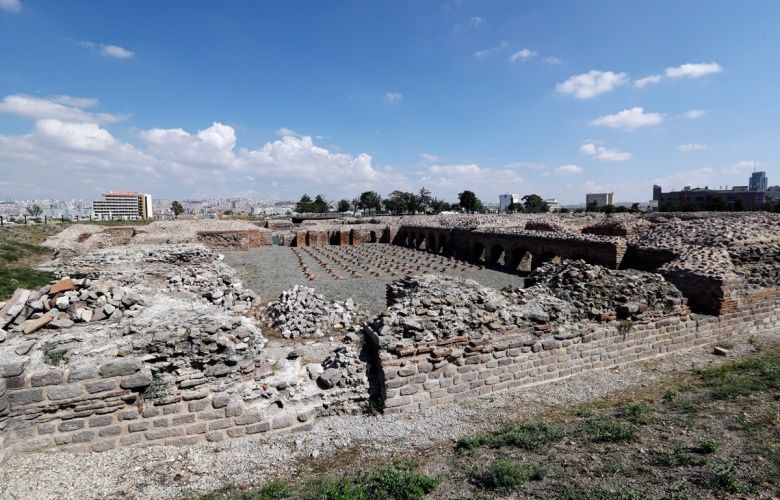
{"points": [[342, 443], [357, 272]]}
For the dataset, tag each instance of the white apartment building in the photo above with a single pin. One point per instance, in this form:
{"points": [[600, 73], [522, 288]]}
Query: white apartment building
{"points": [[123, 205], [601, 199]]}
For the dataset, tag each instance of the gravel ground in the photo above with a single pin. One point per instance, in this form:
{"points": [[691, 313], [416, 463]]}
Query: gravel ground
{"points": [[271, 270], [165, 472]]}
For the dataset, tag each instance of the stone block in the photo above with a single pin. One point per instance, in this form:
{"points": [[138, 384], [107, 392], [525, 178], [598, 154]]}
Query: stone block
{"points": [[249, 418], [81, 374], [211, 415], [214, 436], [283, 421], [220, 400], [101, 420], [26, 397], [174, 408], [71, 425], [50, 377], [130, 440], [60, 392], [138, 426], [261, 427], [137, 381], [100, 386], [200, 428], [114, 430], [83, 437], [120, 368], [163, 433]]}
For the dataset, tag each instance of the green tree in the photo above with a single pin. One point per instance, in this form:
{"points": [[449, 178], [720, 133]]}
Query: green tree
{"points": [[177, 208], [370, 201], [438, 206], [424, 200], [514, 208], [343, 206], [396, 202], [469, 202], [593, 206], [304, 205], [34, 210], [533, 203], [320, 205], [634, 208], [608, 209]]}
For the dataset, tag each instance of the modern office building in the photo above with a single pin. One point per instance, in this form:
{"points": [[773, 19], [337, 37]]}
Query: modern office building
{"points": [[553, 204], [774, 193], [710, 199], [504, 200], [121, 205], [600, 199], [758, 181]]}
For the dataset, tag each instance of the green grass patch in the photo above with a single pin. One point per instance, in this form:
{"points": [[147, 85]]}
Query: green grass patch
{"points": [[528, 436], [396, 482], [607, 430], [12, 278], [724, 477], [706, 447], [678, 457], [742, 378], [503, 474], [635, 412]]}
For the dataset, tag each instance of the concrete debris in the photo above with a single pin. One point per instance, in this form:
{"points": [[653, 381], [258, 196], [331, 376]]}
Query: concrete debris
{"points": [[301, 312]]}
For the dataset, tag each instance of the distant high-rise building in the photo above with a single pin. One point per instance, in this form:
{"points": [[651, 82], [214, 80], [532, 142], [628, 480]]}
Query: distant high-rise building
{"points": [[504, 200], [758, 181], [600, 199], [121, 205]]}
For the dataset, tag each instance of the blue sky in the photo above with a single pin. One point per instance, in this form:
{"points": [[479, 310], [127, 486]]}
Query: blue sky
{"points": [[270, 100]]}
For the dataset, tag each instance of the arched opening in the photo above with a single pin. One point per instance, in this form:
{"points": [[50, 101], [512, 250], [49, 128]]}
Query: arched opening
{"points": [[432, 243], [497, 257], [545, 257], [478, 253], [372, 237], [443, 245], [521, 260]]}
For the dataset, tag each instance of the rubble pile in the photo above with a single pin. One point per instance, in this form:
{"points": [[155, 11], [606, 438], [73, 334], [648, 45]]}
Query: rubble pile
{"points": [[433, 308], [216, 284], [66, 302], [343, 368], [301, 312], [596, 292]]}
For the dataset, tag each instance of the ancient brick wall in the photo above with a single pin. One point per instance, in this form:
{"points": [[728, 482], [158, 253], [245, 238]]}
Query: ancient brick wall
{"points": [[460, 368], [97, 410]]}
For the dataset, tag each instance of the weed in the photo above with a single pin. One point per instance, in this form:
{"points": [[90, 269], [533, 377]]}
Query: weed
{"points": [[157, 387], [625, 327], [53, 354], [706, 446], [398, 482], [609, 431], [757, 345], [679, 458], [528, 436], [724, 477], [725, 344], [635, 412], [12, 278], [733, 380], [503, 474]]}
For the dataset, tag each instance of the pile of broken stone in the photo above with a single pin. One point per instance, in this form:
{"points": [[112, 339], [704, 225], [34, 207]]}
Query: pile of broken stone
{"points": [[65, 302], [301, 312], [596, 292], [563, 301], [217, 286]]}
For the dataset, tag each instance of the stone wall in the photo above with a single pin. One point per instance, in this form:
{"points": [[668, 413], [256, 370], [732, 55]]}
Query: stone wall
{"points": [[98, 410], [236, 239], [460, 368]]}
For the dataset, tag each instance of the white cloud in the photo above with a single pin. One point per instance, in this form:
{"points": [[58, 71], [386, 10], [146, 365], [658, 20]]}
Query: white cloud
{"points": [[430, 157], [693, 70], [568, 169], [691, 146], [115, 51], [628, 119], [742, 167], [108, 50], [78, 156], [484, 54], [522, 55], [551, 60], [604, 153], [11, 5], [592, 83], [476, 21], [284, 132], [694, 114], [643, 82], [393, 96], [61, 107], [448, 180]]}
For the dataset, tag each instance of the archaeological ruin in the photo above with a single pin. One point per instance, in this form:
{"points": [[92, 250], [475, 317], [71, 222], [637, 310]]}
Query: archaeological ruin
{"points": [[181, 332]]}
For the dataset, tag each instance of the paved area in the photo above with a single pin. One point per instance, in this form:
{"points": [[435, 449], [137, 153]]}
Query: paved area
{"points": [[341, 272]]}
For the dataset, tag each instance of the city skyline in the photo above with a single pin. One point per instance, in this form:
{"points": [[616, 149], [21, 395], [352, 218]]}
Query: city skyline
{"points": [[259, 102]]}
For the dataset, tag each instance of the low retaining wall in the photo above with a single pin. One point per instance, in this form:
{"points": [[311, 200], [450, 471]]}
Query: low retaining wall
{"points": [[461, 368]]}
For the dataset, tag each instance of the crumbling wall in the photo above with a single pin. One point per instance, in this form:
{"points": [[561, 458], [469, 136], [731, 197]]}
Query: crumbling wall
{"points": [[460, 367], [242, 239]]}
